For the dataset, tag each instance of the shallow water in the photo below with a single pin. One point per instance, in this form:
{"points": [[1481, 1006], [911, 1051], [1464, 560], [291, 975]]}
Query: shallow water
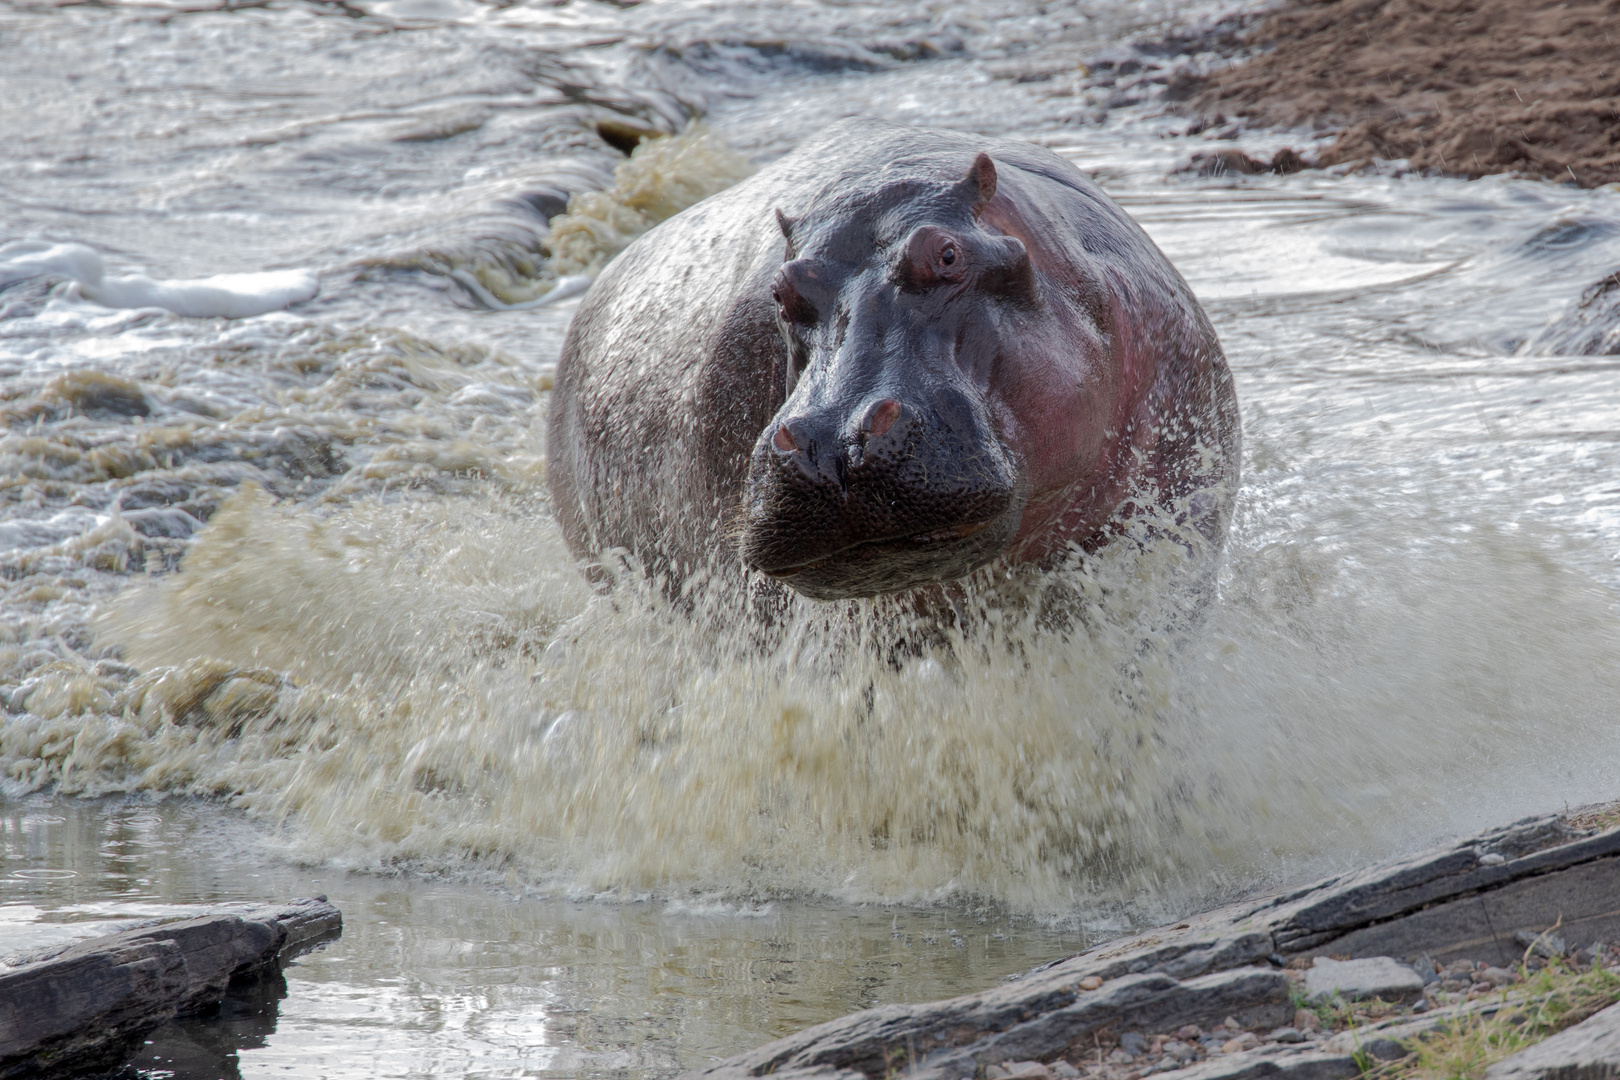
{"points": [[570, 835]]}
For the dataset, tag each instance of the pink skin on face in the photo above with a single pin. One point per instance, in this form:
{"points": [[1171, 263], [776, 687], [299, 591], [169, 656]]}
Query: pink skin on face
{"points": [[1063, 403]]}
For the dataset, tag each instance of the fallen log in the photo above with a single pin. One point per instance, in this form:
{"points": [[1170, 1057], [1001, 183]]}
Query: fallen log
{"points": [[86, 1006]]}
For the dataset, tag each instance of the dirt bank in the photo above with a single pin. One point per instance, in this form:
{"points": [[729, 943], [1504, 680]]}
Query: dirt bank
{"points": [[1462, 87]]}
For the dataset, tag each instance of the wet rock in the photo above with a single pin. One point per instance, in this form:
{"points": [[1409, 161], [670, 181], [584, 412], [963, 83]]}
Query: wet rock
{"points": [[85, 1006], [1588, 1051], [1037, 1018], [1355, 980], [1234, 162], [1217, 970], [1591, 327], [1228, 162]]}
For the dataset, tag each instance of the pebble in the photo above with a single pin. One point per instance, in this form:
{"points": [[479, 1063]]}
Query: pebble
{"points": [[1183, 1052], [1286, 1035], [1025, 1070], [1064, 1071], [1246, 1041], [1091, 982], [1133, 1043], [1306, 1020]]}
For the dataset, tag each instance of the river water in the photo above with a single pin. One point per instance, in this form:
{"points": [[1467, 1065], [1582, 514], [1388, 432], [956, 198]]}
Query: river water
{"points": [[284, 612]]}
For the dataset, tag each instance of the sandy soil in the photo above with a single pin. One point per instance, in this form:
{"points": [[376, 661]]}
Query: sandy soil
{"points": [[1461, 87]]}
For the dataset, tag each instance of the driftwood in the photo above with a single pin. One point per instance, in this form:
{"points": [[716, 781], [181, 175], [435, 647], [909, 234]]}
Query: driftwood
{"points": [[1465, 900], [88, 1005]]}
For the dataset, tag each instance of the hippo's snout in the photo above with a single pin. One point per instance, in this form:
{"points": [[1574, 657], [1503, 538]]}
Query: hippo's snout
{"points": [[885, 496]]}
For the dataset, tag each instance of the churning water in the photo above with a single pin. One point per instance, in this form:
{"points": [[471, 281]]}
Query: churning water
{"points": [[610, 839]]}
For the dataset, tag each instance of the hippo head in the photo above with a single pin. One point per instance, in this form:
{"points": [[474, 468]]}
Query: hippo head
{"points": [[885, 468]]}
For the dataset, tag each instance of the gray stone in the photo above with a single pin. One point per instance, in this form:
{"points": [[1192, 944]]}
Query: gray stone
{"points": [[1460, 900], [85, 1006], [1036, 1018], [1588, 1051], [1282, 1063], [1356, 980], [1546, 945]]}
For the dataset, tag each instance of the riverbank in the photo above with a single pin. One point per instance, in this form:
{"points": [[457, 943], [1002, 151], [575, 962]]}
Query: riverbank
{"points": [[1397, 963], [1458, 87]]}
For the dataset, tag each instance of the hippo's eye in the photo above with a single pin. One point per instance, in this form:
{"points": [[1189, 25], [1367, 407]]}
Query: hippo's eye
{"points": [[931, 257], [791, 305]]}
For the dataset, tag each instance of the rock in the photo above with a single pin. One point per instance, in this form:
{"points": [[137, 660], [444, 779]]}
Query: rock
{"points": [[1544, 945], [1354, 980], [1182, 1052], [1228, 162], [1306, 1020], [1246, 1041], [1219, 969], [84, 1007], [1036, 1018], [1588, 1051], [1288, 160], [1280, 1063], [1026, 1070], [1444, 901], [1497, 976], [1091, 982], [1064, 1071], [1285, 1035]]}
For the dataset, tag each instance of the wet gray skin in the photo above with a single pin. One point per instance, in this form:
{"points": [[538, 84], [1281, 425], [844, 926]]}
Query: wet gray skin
{"points": [[884, 470]]}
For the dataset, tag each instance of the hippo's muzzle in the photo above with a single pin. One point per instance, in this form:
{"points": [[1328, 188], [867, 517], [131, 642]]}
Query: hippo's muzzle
{"points": [[885, 497]]}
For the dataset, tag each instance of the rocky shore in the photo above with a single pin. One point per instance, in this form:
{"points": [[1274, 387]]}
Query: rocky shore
{"points": [[85, 1007], [1516, 925]]}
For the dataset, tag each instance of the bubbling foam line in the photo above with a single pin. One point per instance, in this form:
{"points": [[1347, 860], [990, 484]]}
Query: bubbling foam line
{"points": [[230, 296], [431, 685]]}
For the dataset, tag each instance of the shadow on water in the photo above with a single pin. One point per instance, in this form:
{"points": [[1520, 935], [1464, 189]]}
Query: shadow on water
{"points": [[204, 1047]]}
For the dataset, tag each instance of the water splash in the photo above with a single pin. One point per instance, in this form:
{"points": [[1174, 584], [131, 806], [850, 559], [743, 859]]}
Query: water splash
{"points": [[432, 685]]}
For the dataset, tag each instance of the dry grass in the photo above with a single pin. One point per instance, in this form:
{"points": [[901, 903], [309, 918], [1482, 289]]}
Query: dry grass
{"points": [[1548, 1001], [1596, 816]]}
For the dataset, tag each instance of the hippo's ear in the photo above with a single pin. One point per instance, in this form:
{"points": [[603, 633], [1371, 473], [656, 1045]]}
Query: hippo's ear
{"points": [[784, 223], [978, 187]]}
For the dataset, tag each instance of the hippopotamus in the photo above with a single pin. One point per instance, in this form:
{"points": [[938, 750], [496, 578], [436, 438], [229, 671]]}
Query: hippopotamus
{"points": [[885, 361]]}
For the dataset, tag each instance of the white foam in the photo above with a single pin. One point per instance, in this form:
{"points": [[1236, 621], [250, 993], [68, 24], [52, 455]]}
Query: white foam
{"points": [[231, 296]]}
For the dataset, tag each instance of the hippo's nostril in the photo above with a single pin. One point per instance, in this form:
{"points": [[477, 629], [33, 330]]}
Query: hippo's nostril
{"points": [[783, 440], [882, 417]]}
